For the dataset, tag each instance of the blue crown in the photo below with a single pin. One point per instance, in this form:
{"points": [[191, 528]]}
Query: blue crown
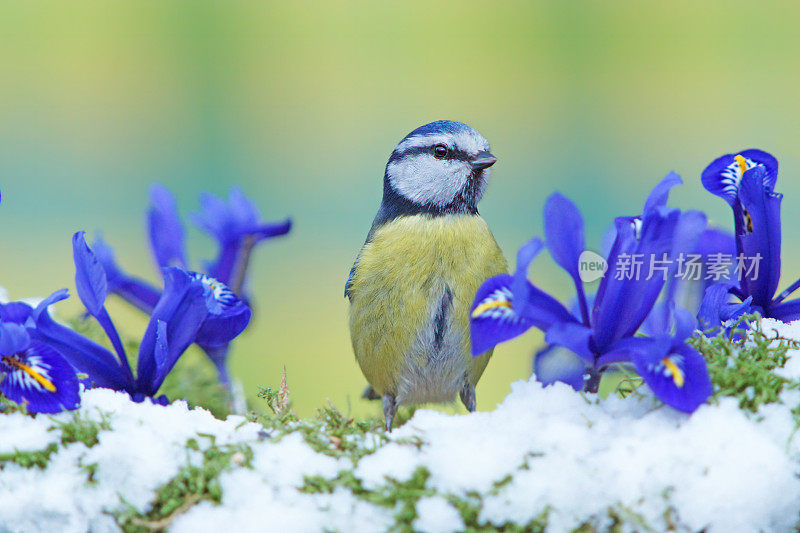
{"points": [[440, 126]]}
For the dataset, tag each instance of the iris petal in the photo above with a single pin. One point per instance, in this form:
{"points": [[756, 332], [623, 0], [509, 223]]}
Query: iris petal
{"points": [[525, 256], [658, 321], [90, 278], [13, 338], [183, 308], [678, 378], [761, 243], [17, 312], [660, 194], [786, 311], [135, 291], [91, 283], [622, 349], [228, 314], [165, 228], [557, 364], [628, 292], [531, 302], [685, 324], [85, 355], [715, 241], [573, 336], [717, 307], [723, 176], [40, 378], [275, 229], [564, 232], [237, 227], [493, 318]]}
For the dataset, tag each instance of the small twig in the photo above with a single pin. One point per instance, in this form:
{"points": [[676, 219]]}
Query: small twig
{"points": [[283, 394]]}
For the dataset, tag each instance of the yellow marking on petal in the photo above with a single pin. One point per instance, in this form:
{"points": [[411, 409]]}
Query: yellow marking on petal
{"points": [[748, 220], [674, 370], [482, 308], [742, 163], [40, 379]]}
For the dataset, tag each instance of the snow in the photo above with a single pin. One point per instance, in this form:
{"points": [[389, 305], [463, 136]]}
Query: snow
{"points": [[791, 370], [143, 450], [437, 515], [22, 433], [542, 448]]}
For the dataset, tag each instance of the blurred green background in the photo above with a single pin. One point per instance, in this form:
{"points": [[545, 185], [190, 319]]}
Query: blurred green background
{"points": [[301, 104]]}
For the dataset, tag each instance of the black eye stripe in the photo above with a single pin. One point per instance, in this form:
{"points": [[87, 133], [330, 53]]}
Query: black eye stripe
{"points": [[452, 153]]}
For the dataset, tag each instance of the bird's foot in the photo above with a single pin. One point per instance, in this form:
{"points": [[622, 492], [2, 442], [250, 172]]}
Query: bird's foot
{"points": [[389, 410], [467, 395]]}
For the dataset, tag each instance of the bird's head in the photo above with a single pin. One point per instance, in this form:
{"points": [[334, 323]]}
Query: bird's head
{"points": [[442, 167]]}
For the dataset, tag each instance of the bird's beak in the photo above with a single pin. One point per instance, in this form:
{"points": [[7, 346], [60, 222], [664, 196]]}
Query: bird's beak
{"points": [[483, 159]]}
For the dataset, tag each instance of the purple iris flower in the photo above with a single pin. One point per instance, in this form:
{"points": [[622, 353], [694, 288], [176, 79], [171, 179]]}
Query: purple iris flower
{"points": [[674, 371], [694, 273], [237, 227], [32, 373], [585, 341], [703, 266], [190, 307], [746, 181]]}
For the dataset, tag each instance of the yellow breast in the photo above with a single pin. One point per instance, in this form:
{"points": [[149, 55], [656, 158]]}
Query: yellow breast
{"points": [[399, 276]]}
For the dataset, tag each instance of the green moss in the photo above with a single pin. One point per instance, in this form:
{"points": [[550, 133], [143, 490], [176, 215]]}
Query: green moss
{"points": [[401, 496], [190, 486], [90, 470], [329, 432], [619, 518], [81, 429], [8, 407], [30, 459], [742, 363]]}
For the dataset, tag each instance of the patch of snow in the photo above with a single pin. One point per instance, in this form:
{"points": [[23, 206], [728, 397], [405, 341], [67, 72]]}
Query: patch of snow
{"points": [[395, 461], [720, 469], [21, 433], [143, 450], [437, 515], [791, 330], [286, 462]]}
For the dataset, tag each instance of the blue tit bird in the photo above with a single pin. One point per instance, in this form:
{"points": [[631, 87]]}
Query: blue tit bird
{"points": [[415, 278]]}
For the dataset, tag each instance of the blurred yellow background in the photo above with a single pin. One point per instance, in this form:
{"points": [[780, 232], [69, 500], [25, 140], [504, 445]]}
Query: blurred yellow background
{"points": [[301, 103]]}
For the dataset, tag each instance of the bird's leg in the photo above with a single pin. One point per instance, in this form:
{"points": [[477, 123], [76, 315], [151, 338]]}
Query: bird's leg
{"points": [[468, 397], [389, 409]]}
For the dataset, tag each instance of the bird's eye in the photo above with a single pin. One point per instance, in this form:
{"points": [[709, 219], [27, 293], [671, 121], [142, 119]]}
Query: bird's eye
{"points": [[440, 151]]}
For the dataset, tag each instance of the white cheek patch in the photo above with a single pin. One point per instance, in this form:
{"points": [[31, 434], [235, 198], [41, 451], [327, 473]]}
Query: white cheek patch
{"points": [[423, 179]]}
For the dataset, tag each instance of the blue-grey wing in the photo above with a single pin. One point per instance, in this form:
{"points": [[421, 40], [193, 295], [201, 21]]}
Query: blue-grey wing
{"points": [[349, 280]]}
